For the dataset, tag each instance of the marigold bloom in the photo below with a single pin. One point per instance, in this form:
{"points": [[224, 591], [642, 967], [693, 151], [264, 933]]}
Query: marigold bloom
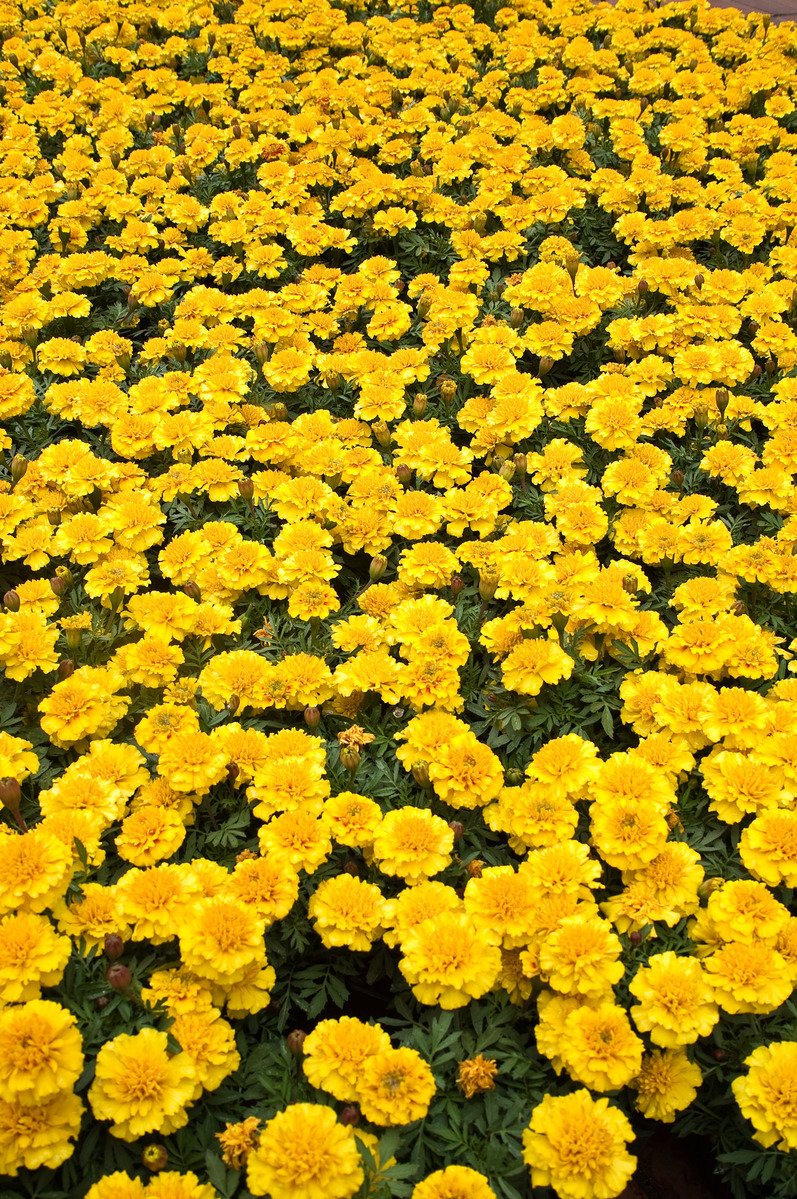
{"points": [[395, 1086], [304, 1153], [766, 1094], [40, 1052], [676, 1000], [475, 1075], [139, 1087], [577, 1145], [447, 961]]}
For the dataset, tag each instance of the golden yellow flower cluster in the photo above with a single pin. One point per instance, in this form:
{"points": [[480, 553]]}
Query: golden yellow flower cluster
{"points": [[398, 528]]}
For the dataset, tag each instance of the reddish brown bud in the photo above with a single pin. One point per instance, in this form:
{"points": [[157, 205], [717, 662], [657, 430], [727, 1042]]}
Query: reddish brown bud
{"points": [[246, 490], [350, 1114], [10, 798], [312, 717], [635, 937], [154, 1157], [59, 585], [113, 946], [11, 601], [296, 1040], [66, 668], [352, 866], [458, 829], [403, 474], [457, 585], [193, 592], [119, 976]]}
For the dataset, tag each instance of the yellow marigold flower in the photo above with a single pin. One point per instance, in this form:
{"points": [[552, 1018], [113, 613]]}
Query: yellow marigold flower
{"points": [[475, 1075], [36, 869], [300, 837], [666, 1084], [533, 663], [32, 956], [768, 847], [149, 835], [352, 819], [38, 1135], [335, 1051], [454, 1182], [447, 961], [192, 761], [209, 1042], [40, 1052], [412, 844], [395, 1086], [676, 1000], [347, 911], [168, 1184], [237, 1142], [116, 1186], [599, 1047], [270, 886], [578, 1146], [766, 1094], [220, 937], [153, 900], [748, 977], [304, 1153], [501, 903], [582, 957], [140, 1087]]}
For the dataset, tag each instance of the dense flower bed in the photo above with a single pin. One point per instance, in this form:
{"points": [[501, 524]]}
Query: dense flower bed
{"points": [[399, 538]]}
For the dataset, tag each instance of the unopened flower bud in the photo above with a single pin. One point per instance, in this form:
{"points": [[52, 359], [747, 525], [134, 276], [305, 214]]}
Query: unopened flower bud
{"points": [[377, 568], [11, 798], [722, 398], [11, 601], [630, 584], [699, 281], [419, 404], [296, 1040], [278, 411], [350, 758], [507, 470], [233, 704], [381, 433], [707, 888], [312, 717], [739, 608], [113, 946], [677, 479], [719, 1055], [192, 591], [246, 490], [457, 585], [458, 829], [521, 463], [448, 390], [545, 365], [514, 776], [54, 518], [19, 467], [420, 772], [403, 474], [488, 585], [757, 371], [516, 317], [59, 585], [154, 1157], [119, 976], [66, 668], [635, 937], [350, 1114], [643, 287], [233, 771], [352, 866]]}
